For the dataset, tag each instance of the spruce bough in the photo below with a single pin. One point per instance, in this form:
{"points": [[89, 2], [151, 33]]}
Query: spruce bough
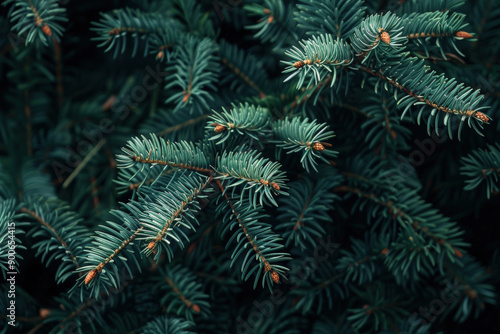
{"points": [[293, 166]]}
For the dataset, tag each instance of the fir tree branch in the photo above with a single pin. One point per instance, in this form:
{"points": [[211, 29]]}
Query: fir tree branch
{"points": [[253, 244], [54, 232], [91, 275]]}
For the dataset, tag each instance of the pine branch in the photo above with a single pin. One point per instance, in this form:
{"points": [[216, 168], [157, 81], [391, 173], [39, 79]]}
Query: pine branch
{"points": [[338, 18], [38, 20], [308, 138], [64, 230], [260, 237], [482, 167], [244, 120]]}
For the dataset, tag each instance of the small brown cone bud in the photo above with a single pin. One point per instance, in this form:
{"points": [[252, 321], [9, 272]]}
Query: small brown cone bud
{"points": [[384, 36], [46, 30], [275, 185], [318, 147], [270, 19], [196, 308], [151, 245], [264, 182], [160, 55], [482, 117], [44, 312], [90, 276], [298, 64], [463, 34], [275, 276], [266, 11], [219, 128], [307, 61], [458, 253], [385, 251]]}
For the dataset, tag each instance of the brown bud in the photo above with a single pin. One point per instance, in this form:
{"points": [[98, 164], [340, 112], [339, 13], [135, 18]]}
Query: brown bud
{"points": [[44, 312], [463, 34], [275, 185], [160, 55], [318, 147], [196, 308], [307, 61], [151, 245], [266, 11], [264, 182], [385, 251], [275, 277], [458, 253], [46, 30], [384, 36], [219, 128], [90, 276], [270, 19], [298, 64], [482, 117]]}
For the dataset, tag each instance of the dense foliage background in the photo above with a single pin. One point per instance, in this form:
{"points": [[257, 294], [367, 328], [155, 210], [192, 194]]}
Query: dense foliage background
{"points": [[370, 240]]}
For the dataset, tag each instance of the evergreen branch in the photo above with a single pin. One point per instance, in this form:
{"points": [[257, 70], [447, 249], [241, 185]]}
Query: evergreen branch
{"points": [[244, 120], [335, 17], [63, 235], [360, 263], [382, 305], [322, 56], [379, 113], [122, 24], [434, 227], [193, 18], [262, 177], [194, 74], [476, 285], [246, 219], [378, 36], [433, 91], [306, 210], [309, 138], [166, 211], [37, 19], [482, 167], [275, 24], [98, 269], [157, 151], [441, 25], [184, 295], [246, 68]]}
